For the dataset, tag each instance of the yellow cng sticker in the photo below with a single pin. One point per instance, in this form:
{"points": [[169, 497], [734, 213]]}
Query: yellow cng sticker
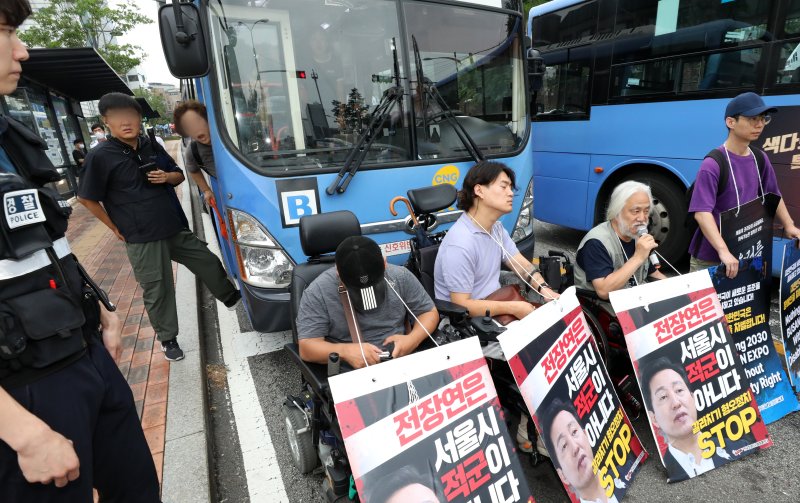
{"points": [[447, 174]]}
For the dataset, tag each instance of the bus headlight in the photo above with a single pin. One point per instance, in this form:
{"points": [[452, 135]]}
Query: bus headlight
{"points": [[524, 225], [261, 261]]}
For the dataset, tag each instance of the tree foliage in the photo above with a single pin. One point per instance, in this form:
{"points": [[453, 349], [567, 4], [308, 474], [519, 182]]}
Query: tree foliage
{"points": [[83, 23], [157, 103], [527, 5]]}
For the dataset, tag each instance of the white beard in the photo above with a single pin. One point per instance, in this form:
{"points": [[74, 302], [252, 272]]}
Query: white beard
{"points": [[625, 230]]}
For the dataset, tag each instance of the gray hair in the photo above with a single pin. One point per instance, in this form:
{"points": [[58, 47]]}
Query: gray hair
{"points": [[622, 193]]}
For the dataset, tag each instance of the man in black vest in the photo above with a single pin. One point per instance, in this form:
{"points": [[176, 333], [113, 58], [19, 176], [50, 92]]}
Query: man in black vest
{"points": [[134, 179], [68, 422]]}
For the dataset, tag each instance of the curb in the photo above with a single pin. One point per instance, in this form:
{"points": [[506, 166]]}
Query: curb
{"points": [[186, 460]]}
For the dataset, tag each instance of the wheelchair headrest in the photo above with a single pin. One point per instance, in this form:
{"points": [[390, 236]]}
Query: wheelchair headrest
{"points": [[322, 233], [430, 199]]}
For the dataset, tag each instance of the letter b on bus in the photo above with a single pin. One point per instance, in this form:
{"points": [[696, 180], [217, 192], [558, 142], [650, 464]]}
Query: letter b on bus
{"points": [[298, 197], [298, 204]]}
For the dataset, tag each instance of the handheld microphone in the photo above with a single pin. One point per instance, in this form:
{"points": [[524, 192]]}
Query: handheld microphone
{"points": [[653, 257]]}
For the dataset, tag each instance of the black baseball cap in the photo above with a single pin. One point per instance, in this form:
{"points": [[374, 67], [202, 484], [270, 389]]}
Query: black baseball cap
{"points": [[360, 265], [748, 105]]}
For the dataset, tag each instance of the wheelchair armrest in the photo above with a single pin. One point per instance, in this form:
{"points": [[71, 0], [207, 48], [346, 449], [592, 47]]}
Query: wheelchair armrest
{"points": [[449, 308], [458, 315], [314, 373]]}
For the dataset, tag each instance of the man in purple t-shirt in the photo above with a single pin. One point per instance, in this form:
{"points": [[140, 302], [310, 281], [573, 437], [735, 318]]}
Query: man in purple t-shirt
{"points": [[745, 116]]}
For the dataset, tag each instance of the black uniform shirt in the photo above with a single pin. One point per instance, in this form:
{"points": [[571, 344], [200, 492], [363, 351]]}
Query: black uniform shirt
{"points": [[142, 212]]}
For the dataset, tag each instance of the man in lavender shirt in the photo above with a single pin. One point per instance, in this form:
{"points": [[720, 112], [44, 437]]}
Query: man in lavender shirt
{"points": [[745, 116], [468, 262]]}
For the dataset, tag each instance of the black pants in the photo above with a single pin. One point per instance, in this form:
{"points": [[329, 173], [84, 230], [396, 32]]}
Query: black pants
{"points": [[91, 404]]}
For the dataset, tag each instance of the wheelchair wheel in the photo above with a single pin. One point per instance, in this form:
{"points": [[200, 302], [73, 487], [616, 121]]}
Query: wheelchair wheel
{"points": [[301, 445], [330, 494]]}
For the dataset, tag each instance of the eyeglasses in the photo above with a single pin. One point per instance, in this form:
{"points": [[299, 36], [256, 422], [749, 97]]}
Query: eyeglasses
{"points": [[754, 121]]}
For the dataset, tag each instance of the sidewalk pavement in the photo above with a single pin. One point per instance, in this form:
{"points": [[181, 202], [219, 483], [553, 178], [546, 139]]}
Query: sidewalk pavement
{"points": [[159, 402]]}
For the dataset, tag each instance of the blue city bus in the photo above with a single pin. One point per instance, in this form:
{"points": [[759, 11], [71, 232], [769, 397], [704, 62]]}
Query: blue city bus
{"points": [[292, 87], [636, 89]]}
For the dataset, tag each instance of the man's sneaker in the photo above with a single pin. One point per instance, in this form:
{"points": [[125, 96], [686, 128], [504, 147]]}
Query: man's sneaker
{"points": [[172, 351], [233, 301]]}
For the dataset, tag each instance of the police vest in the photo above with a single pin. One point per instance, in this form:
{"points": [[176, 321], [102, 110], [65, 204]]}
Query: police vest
{"points": [[42, 312]]}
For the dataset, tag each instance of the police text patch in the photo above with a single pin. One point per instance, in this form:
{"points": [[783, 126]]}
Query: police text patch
{"points": [[22, 208]]}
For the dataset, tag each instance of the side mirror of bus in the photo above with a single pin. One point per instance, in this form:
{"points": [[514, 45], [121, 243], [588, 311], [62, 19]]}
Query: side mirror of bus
{"points": [[536, 69], [183, 40]]}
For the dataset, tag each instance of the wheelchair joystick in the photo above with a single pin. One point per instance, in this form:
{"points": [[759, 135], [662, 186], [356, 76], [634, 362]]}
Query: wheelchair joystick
{"points": [[333, 364]]}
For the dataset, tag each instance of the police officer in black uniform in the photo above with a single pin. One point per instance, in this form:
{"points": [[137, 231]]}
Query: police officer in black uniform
{"points": [[67, 417]]}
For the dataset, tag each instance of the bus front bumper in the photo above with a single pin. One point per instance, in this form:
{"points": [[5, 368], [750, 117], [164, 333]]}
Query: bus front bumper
{"points": [[268, 308]]}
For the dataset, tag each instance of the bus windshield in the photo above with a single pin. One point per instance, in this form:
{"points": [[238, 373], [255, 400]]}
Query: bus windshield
{"points": [[298, 80]]}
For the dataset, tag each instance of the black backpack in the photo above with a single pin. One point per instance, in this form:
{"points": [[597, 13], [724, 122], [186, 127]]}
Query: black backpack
{"points": [[724, 173]]}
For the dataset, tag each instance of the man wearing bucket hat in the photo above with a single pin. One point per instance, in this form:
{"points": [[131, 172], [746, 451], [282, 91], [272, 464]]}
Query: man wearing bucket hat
{"points": [[376, 293], [745, 117]]}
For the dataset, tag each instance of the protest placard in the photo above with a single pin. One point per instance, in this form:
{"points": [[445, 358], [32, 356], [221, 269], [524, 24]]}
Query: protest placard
{"points": [[571, 398], [790, 310], [747, 229], [701, 409], [428, 427], [745, 302]]}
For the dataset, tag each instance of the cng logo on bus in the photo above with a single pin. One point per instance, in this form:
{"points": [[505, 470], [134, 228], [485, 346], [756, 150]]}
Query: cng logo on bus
{"points": [[446, 174], [298, 197]]}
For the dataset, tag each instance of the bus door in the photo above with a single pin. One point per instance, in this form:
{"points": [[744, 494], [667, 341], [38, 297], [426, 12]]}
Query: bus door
{"points": [[561, 151]]}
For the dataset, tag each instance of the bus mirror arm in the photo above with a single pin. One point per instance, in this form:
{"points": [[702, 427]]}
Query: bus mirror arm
{"points": [[180, 29], [536, 69]]}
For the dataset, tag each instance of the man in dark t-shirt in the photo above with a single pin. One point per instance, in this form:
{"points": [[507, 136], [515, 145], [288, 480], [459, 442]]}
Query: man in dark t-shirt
{"points": [[133, 178], [78, 155], [613, 255]]}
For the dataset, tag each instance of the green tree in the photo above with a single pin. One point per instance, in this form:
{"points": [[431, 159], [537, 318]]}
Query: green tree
{"points": [[82, 23], [157, 103], [527, 5]]}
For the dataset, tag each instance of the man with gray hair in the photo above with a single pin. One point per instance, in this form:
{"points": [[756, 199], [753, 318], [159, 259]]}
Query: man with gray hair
{"points": [[614, 255]]}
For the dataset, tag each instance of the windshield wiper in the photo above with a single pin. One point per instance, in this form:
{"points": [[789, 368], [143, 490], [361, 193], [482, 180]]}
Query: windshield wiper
{"points": [[359, 152], [429, 92]]}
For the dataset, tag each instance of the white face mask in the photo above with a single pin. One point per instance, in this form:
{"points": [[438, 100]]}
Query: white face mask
{"points": [[80, 145], [100, 135]]}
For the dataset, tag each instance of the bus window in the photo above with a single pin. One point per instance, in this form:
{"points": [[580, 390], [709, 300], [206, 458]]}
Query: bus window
{"points": [[299, 79], [562, 37], [657, 28], [788, 70], [565, 93], [474, 61], [791, 27], [565, 25]]}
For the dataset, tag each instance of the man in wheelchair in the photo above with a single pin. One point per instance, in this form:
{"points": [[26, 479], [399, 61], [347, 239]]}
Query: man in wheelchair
{"points": [[468, 264], [615, 254], [372, 294]]}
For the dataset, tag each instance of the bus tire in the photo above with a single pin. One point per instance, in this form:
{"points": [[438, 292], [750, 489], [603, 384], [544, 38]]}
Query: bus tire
{"points": [[667, 219]]}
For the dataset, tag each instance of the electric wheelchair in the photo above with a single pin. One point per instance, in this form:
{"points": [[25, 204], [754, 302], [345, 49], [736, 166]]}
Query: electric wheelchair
{"points": [[313, 431]]}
